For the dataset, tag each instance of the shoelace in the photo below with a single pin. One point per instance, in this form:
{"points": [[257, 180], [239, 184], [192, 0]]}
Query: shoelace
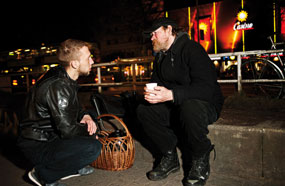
{"points": [[164, 161]]}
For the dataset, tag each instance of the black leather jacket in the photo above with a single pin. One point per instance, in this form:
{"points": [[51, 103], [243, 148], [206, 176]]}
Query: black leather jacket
{"points": [[52, 109]]}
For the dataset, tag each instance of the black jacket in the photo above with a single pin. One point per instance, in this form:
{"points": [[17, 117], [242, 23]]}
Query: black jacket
{"points": [[52, 108], [187, 70]]}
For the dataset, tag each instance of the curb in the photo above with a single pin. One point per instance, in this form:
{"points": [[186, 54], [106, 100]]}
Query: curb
{"points": [[242, 151]]}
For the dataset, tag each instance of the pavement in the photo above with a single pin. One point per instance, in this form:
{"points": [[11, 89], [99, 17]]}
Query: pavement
{"points": [[14, 171], [247, 155], [11, 175]]}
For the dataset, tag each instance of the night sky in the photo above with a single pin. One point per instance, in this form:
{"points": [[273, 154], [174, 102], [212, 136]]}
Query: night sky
{"points": [[28, 24], [25, 24]]}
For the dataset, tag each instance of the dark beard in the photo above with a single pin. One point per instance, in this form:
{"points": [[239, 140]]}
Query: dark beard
{"points": [[84, 73], [159, 46]]}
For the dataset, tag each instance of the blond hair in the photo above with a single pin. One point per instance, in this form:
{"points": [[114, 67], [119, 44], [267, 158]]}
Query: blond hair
{"points": [[69, 50]]}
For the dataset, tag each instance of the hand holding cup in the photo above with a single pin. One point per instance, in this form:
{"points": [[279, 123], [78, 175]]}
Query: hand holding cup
{"points": [[151, 86]]}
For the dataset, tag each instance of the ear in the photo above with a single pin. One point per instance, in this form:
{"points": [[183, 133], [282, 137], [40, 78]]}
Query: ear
{"points": [[170, 28], [74, 64]]}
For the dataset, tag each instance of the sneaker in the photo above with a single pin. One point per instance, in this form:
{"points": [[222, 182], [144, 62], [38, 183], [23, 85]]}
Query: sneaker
{"points": [[200, 170], [81, 172], [168, 164], [34, 178]]}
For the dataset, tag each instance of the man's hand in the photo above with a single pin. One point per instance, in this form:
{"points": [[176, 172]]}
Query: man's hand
{"points": [[91, 124], [158, 95]]}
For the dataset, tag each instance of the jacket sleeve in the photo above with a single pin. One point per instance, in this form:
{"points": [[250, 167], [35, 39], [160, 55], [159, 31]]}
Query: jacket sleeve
{"points": [[155, 76], [202, 74], [65, 111]]}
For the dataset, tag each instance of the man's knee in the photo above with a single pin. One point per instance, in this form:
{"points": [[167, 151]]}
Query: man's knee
{"points": [[143, 112], [97, 146], [194, 109], [191, 107], [140, 110], [91, 148]]}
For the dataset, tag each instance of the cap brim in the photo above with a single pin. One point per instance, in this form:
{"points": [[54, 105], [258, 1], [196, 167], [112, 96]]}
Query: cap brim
{"points": [[152, 29], [147, 32]]}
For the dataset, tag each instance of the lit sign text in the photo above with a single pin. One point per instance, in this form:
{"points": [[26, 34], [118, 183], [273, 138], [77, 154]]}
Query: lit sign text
{"points": [[243, 26]]}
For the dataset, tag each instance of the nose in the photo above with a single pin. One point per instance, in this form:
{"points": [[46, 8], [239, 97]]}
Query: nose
{"points": [[91, 61]]}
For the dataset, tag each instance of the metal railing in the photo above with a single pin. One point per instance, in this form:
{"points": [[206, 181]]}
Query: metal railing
{"points": [[239, 55], [128, 61], [149, 59], [239, 80]]}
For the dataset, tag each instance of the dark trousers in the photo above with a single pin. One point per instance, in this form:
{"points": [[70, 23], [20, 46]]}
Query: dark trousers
{"points": [[61, 157], [191, 120]]}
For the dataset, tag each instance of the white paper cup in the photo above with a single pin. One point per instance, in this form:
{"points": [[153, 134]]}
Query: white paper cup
{"points": [[151, 87]]}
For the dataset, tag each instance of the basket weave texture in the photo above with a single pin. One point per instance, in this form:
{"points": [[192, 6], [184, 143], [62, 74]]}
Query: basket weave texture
{"points": [[117, 153]]}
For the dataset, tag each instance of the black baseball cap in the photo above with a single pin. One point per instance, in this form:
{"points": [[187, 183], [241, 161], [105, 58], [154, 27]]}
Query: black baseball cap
{"points": [[158, 23]]}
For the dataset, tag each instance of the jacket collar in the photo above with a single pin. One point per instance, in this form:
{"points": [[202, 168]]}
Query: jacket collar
{"points": [[178, 42], [181, 38], [56, 72]]}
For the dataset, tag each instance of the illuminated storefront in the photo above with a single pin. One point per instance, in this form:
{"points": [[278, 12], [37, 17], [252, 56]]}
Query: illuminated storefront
{"points": [[230, 25]]}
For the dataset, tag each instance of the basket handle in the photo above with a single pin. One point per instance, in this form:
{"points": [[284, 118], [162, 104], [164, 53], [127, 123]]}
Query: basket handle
{"points": [[117, 118]]}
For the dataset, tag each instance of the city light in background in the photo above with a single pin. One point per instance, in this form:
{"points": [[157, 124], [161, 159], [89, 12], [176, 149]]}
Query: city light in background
{"points": [[219, 26]]}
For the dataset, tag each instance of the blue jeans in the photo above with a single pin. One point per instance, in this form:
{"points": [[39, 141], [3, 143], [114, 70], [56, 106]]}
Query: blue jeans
{"points": [[60, 157]]}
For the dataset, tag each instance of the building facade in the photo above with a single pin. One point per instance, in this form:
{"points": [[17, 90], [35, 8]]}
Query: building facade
{"points": [[214, 24]]}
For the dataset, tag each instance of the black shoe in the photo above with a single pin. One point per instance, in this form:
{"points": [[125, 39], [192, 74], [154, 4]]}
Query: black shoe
{"points": [[168, 164], [35, 179], [81, 172], [200, 170]]}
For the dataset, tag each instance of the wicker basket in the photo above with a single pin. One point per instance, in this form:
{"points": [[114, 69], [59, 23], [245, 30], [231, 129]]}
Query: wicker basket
{"points": [[117, 152]]}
